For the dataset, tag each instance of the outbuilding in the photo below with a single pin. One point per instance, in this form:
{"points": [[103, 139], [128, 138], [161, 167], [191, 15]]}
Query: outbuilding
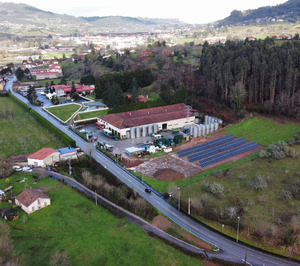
{"points": [[32, 200], [67, 154], [43, 158]]}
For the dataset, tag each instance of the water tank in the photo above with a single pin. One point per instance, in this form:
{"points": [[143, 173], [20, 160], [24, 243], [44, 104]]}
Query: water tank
{"points": [[191, 131], [144, 131], [210, 120], [195, 132], [207, 127], [199, 130], [138, 132], [150, 129], [155, 128], [212, 128], [132, 133]]}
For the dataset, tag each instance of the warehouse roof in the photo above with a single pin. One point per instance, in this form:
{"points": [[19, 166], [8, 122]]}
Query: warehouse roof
{"points": [[42, 154], [147, 116]]}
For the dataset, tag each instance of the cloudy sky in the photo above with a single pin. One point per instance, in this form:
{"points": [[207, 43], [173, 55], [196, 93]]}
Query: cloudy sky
{"points": [[191, 11]]}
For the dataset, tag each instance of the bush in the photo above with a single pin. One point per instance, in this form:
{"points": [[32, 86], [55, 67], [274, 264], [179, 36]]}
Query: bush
{"points": [[258, 183], [278, 151], [286, 195], [215, 188]]}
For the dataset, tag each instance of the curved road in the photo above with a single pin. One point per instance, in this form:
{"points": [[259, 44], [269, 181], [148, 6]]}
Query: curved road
{"points": [[229, 250]]}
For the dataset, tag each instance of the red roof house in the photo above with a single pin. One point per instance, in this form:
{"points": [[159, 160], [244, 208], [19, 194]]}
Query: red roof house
{"points": [[43, 158]]}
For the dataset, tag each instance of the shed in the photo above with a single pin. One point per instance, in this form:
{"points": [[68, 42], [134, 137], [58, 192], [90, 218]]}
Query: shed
{"points": [[131, 150], [67, 153], [43, 158]]}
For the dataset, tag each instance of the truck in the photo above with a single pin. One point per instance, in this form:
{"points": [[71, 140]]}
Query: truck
{"points": [[109, 134]]}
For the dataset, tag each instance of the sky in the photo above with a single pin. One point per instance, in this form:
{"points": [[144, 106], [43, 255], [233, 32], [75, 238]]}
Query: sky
{"points": [[190, 11]]}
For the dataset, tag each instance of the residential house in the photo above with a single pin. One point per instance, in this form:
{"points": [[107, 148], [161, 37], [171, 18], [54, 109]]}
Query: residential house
{"points": [[32, 200], [43, 158]]}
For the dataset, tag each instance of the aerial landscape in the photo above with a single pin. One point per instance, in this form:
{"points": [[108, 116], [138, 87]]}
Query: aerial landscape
{"points": [[154, 134]]}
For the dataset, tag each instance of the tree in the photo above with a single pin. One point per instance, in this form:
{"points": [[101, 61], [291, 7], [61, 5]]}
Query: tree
{"points": [[19, 73], [238, 95], [88, 80], [31, 95], [134, 91], [74, 93], [165, 93], [113, 95]]}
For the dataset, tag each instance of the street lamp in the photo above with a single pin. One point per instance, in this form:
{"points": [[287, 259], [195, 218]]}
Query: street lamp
{"points": [[178, 198], [238, 230]]}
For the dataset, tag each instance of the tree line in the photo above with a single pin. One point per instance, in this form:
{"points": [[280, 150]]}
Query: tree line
{"points": [[258, 72]]}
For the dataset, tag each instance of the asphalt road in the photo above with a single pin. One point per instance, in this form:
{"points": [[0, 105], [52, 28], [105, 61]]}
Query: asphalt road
{"points": [[229, 250]]}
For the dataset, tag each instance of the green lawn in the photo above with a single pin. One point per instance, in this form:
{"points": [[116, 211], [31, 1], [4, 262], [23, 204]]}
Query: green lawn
{"points": [[263, 131], [20, 133], [94, 114], [89, 234], [261, 208], [64, 112]]}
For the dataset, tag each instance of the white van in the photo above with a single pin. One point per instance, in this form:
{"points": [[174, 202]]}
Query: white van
{"points": [[157, 136]]}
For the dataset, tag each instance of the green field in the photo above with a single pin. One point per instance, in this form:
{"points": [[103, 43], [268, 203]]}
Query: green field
{"points": [[64, 112], [94, 114], [263, 131], [89, 234], [20, 133], [262, 208]]}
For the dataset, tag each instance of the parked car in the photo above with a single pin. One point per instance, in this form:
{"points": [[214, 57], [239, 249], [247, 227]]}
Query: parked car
{"points": [[147, 190], [27, 169]]}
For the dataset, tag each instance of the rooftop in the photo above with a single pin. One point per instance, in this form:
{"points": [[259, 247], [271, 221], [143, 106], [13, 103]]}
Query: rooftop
{"points": [[147, 116], [28, 197], [42, 154], [66, 150]]}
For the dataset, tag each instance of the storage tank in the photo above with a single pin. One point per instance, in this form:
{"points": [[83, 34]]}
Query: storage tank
{"points": [[155, 128], [138, 132], [132, 133], [150, 129], [195, 132], [144, 131], [205, 120], [212, 128], [216, 126], [199, 130], [207, 129]]}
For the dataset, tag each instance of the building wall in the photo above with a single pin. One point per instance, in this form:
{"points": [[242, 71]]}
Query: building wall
{"points": [[54, 157], [36, 163], [178, 123], [35, 206], [71, 155]]}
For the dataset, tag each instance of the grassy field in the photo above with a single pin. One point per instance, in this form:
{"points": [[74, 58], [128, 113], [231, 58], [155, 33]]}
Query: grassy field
{"points": [[64, 112], [262, 208], [263, 131], [89, 234], [94, 114], [20, 133]]}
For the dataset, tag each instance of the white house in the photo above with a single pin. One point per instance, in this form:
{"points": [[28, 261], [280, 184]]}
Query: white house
{"points": [[43, 158], [32, 200]]}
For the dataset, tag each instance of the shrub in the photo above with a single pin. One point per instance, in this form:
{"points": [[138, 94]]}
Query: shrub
{"points": [[286, 194], [278, 151], [258, 183], [215, 189]]}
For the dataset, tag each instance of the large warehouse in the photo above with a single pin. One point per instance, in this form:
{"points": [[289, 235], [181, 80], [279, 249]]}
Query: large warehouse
{"points": [[147, 121]]}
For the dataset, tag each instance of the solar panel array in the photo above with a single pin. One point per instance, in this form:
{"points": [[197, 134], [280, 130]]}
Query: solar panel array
{"points": [[218, 150], [206, 146]]}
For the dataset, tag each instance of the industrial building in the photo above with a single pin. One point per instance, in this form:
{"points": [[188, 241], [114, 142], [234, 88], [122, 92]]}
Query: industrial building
{"points": [[145, 122]]}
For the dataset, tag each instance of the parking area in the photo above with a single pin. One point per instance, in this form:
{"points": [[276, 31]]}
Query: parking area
{"points": [[121, 145]]}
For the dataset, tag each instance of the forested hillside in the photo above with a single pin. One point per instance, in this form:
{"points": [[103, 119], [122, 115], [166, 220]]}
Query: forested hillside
{"points": [[257, 72]]}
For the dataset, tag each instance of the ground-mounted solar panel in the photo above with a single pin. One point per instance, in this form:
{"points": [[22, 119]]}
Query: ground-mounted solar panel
{"points": [[232, 145], [245, 148], [202, 155], [220, 141], [192, 150], [213, 160]]}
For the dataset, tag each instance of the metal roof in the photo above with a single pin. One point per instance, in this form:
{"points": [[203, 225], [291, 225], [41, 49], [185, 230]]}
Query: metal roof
{"points": [[66, 150]]}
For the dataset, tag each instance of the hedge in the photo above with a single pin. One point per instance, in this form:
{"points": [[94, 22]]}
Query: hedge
{"points": [[4, 94], [19, 102], [64, 137]]}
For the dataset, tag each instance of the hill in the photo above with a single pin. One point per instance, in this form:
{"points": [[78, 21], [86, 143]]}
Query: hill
{"points": [[286, 12], [26, 20]]}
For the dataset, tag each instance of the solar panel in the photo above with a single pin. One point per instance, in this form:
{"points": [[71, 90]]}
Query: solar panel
{"points": [[232, 145], [203, 147], [245, 148], [215, 159], [202, 155]]}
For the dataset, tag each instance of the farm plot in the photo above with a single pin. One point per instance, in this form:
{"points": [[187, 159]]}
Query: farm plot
{"points": [[20, 133]]}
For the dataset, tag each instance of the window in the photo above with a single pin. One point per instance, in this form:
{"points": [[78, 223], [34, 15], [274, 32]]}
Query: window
{"points": [[45, 204], [32, 208]]}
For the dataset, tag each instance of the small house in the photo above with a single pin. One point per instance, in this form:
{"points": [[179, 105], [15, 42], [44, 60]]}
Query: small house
{"points": [[43, 158], [32, 200], [67, 154]]}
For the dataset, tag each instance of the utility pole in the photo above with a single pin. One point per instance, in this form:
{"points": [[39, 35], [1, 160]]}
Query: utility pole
{"points": [[70, 167], [238, 230], [178, 198], [189, 207]]}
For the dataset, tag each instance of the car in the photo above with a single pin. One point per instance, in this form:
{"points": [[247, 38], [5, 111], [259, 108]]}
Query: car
{"points": [[27, 169], [147, 190]]}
